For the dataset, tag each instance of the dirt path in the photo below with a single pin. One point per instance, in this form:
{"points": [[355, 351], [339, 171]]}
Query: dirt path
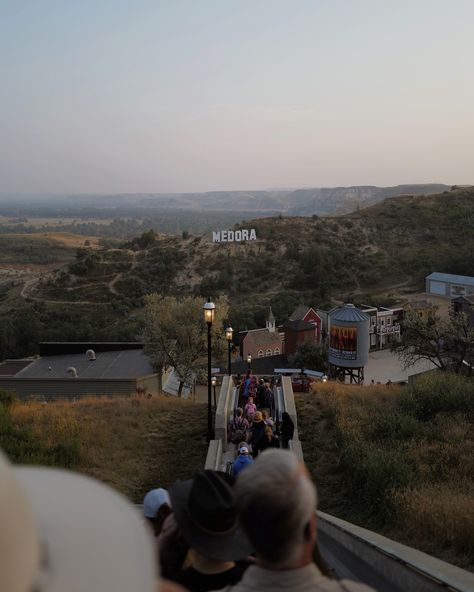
{"points": [[111, 284], [31, 283], [29, 286]]}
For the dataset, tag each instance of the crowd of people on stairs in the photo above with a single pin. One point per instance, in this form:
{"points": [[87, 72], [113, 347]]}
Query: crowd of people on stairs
{"points": [[254, 529]]}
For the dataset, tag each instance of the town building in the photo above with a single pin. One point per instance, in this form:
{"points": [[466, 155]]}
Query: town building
{"points": [[384, 325], [260, 343], [309, 315], [449, 285], [71, 370], [297, 332], [464, 304], [422, 308]]}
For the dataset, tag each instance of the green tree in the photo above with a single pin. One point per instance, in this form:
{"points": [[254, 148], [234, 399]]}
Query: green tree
{"points": [[447, 343], [310, 355], [175, 334]]}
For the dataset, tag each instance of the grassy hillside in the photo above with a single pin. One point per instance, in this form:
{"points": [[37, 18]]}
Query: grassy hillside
{"points": [[400, 461], [133, 444], [317, 261]]}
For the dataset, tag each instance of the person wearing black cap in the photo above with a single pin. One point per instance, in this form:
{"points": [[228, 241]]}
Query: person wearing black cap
{"points": [[204, 509]]}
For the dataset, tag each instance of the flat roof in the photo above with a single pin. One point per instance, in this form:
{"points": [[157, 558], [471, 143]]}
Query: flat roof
{"points": [[130, 363], [451, 278], [12, 367]]}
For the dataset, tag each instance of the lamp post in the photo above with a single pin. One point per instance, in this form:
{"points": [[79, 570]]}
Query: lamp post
{"points": [[249, 362], [228, 335], [209, 309], [214, 382]]}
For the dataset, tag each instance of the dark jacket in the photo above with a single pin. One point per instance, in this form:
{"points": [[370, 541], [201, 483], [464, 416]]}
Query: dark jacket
{"points": [[257, 436], [287, 429], [266, 443]]}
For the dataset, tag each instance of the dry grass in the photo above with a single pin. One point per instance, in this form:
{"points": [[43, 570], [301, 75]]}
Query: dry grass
{"points": [[379, 463], [132, 444], [68, 239], [443, 513]]}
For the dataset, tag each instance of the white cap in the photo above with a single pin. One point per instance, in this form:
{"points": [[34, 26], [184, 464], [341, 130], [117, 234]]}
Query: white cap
{"points": [[19, 548], [244, 450], [91, 537], [153, 501]]}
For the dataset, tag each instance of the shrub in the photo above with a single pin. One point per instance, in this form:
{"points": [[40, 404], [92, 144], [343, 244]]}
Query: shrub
{"points": [[7, 398], [374, 473], [393, 426], [24, 446], [437, 393]]}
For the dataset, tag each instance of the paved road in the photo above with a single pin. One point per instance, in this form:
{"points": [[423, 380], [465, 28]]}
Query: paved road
{"points": [[383, 365]]}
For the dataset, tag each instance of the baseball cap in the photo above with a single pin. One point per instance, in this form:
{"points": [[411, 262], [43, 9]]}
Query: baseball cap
{"points": [[90, 537], [244, 450], [153, 501], [19, 546]]}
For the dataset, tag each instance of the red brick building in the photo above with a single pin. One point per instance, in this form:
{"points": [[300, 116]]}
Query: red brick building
{"points": [[260, 343]]}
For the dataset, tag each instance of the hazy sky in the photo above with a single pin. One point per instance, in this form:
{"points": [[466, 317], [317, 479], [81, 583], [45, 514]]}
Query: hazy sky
{"points": [[197, 95]]}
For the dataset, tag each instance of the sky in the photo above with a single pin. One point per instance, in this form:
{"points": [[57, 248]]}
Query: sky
{"points": [[154, 96]]}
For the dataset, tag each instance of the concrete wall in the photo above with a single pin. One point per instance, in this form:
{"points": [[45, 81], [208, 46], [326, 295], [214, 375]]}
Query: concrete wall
{"points": [[214, 456], [224, 410], [67, 388], [289, 402], [386, 564], [149, 384]]}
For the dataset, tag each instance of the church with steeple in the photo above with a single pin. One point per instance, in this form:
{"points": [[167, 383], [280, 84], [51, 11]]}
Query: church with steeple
{"points": [[262, 343]]}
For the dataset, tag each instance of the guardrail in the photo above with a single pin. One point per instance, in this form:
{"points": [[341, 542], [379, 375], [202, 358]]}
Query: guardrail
{"points": [[358, 553], [225, 407]]}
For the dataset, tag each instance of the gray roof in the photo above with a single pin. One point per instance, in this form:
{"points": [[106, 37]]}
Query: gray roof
{"points": [[130, 363], [298, 325], [348, 312], [451, 278], [12, 367], [299, 312], [467, 299]]}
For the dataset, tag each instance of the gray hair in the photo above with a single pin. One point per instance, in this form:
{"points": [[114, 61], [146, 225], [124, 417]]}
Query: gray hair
{"points": [[275, 499]]}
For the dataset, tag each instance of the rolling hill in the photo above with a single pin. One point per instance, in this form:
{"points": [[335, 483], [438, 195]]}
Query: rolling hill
{"points": [[356, 257]]}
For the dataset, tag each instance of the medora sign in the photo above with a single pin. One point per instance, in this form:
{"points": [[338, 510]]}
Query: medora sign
{"points": [[230, 236]]}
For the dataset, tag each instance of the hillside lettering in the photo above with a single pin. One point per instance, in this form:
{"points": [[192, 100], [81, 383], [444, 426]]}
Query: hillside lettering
{"points": [[230, 236]]}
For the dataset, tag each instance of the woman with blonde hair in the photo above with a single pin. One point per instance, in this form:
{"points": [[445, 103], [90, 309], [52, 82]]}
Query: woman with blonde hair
{"points": [[256, 433], [269, 439]]}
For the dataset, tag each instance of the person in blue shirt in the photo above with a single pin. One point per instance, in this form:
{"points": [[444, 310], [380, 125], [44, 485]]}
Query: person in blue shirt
{"points": [[242, 461]]}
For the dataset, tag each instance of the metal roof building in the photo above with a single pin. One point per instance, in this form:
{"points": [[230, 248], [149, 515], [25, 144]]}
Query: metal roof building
{"points": [[449, 285], [107, 369]]}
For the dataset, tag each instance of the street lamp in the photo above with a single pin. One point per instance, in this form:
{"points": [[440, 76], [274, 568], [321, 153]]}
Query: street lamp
{"points": [[228, 335], [249, 362], [209, 309], [214, 382]]}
